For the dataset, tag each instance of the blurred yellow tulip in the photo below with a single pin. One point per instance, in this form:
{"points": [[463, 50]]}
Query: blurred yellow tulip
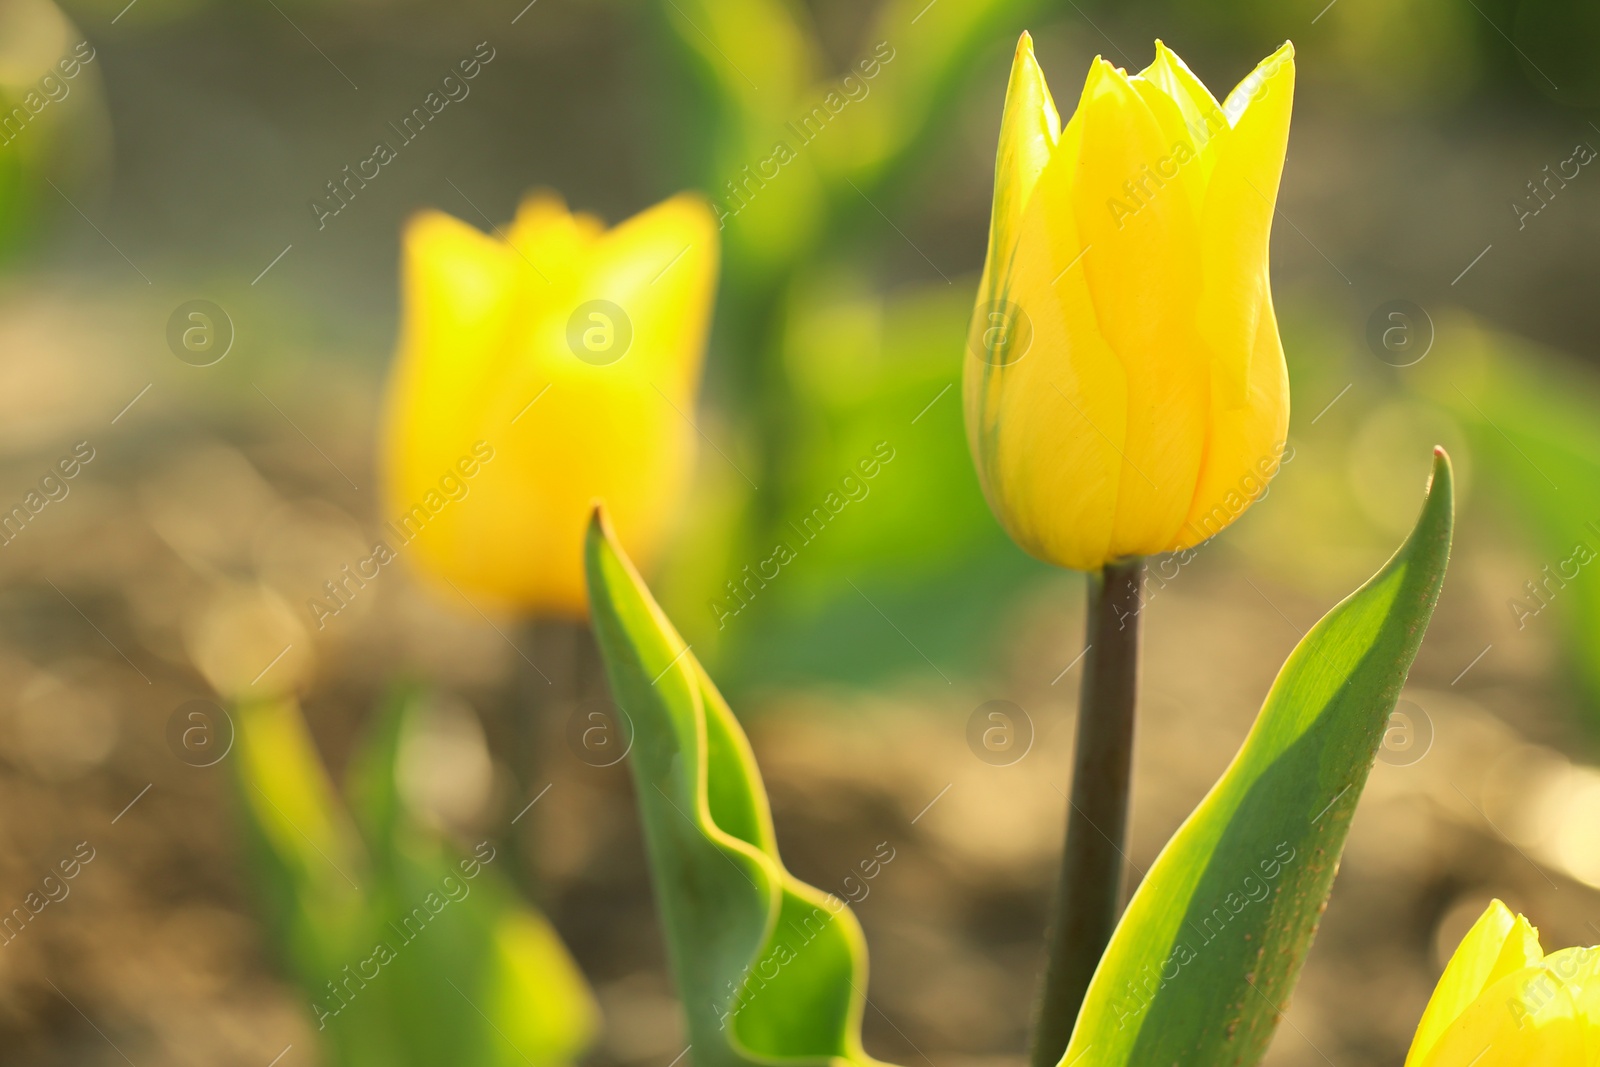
{"points": [[1126, 392], [540, 370], [1502, 1002]]}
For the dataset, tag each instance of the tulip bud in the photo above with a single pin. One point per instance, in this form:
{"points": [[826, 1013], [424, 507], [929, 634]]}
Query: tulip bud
{"points": [[1502, 1002], [540, 370], [1126, 392]]}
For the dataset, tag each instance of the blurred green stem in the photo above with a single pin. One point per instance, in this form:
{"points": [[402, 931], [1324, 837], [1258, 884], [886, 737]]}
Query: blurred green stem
{"points": [[549, 683], [1089, 898]]}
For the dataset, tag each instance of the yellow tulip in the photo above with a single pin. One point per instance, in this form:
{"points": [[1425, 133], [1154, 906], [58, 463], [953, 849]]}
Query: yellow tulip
{"points": [[541, 369], [1125, 385], [1502, 1002]]}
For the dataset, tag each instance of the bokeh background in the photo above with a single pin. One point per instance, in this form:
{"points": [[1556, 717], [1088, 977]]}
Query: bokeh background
{"points": [[1434, 283]]}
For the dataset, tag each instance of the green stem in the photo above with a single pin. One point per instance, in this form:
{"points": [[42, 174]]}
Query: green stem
{"points": [[1089, 898]]}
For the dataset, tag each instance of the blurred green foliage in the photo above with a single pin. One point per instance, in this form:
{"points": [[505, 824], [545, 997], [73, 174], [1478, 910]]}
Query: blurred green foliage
{"points": [[1534, 419], [821, 365], [821, 357], [407, 950], [53, 132]]}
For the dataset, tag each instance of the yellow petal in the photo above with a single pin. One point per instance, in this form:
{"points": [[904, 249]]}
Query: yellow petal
{"points": [[1526, 1018], [1140, 269], [552, 240], [1580, 969], [1029, 129], [1046, 428], [589, 396], [1246, 442], [458, 298], [1126, 424], [1499, 944], [661, 265], [1236, 222], [1202, 115], [1188, 113]]}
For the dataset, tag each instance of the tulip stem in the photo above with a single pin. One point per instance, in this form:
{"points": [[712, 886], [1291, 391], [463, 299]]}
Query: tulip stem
{"points": [[1089, 897]]}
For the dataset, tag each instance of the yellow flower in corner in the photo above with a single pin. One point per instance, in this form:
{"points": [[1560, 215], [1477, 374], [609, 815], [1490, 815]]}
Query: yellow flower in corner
{"points": [[1125, 386], [1502, 1002], [544, 368]]}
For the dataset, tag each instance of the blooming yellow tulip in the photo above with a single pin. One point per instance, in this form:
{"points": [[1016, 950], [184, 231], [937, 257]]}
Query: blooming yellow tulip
{"points": [[1125, 385], [1502, 1002], [540, 370]]}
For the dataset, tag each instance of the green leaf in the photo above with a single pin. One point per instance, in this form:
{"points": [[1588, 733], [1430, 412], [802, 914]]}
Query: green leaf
{"points": [[408, 952], [308, 868], [1213, 940], [770, 970]]}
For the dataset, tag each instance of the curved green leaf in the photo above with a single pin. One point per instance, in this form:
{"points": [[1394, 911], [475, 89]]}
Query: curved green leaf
{"points": [[1211, 945], [770, 970], [408, 953]]}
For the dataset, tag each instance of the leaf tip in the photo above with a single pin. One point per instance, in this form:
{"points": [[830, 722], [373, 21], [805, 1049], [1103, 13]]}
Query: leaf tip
{"points": [[1442, 479], [598, 539]]}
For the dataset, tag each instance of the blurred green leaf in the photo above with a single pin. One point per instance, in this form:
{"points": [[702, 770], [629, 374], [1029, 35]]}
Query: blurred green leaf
{"points": [[936, 47], [54, 133], [1212, 943], [1531, 415], [409, 952], [769, 969], [879, 506]]}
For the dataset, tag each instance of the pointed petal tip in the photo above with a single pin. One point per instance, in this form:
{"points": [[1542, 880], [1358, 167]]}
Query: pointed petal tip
{"points": [[426, 218], [689, 210], [1496, 907], [543, 198], [1024, 63]]}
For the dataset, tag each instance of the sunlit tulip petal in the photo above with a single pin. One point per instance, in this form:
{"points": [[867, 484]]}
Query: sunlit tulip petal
{"points": [[1062, 509], [1498, 944], [1502, 1003], [1236, 221], [1247, 443], [1526, 1018], [1125, 388], [1029, 130]]}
